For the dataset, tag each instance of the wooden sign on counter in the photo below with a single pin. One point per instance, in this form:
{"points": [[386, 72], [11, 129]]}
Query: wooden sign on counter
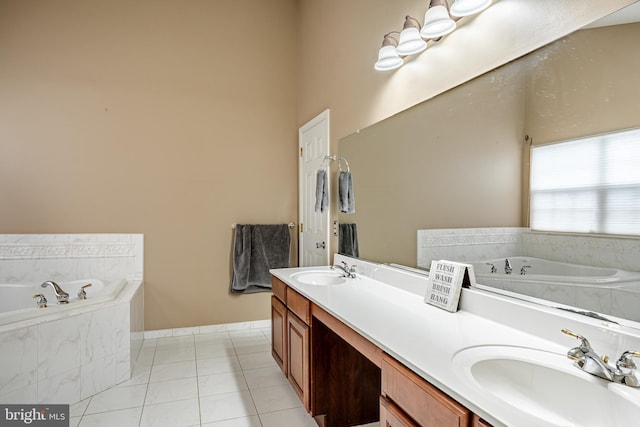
{"points": [[446, 279]]}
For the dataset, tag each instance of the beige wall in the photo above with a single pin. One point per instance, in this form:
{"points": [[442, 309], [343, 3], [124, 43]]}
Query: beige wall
{"points": [[169, 118], [177, 119], [595, 88], [453, 161]]}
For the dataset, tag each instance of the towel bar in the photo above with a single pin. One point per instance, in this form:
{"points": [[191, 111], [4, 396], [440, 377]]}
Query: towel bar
{"points": [[291, 225], [336, 159]]}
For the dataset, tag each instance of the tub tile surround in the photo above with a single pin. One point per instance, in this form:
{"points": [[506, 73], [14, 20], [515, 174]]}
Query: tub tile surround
{"points": [[58, 257], [468, 244], [598, 251], [473, 244], [77, 353]]}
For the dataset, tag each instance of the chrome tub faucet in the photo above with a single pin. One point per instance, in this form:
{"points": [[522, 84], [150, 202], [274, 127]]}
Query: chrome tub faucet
{"points": [[41, 302], [82, 294], [61, 296]]}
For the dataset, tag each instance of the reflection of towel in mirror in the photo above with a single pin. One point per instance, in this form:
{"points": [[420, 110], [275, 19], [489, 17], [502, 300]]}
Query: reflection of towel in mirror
{"points": [[346, 199], [256, 249], [322, 192], [348, 240]]}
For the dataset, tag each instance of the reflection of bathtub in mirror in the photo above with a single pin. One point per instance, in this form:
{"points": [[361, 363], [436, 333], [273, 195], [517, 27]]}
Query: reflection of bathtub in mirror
{"points": [[536, 269], [604, 290]]}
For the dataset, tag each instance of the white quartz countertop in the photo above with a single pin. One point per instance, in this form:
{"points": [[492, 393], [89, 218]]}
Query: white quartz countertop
{"points": [[423, 337]]}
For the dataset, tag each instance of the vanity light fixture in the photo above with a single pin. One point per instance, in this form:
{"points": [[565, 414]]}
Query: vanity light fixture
{"points": [[388, 58], [437, 21], [468, 7], [410, 40]]}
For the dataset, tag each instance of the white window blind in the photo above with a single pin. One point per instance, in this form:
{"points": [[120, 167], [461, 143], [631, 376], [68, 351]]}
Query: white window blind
{"points": [[589, 185]]}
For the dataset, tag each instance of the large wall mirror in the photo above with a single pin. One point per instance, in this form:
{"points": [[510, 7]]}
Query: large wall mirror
{"points": [[460, 160]]}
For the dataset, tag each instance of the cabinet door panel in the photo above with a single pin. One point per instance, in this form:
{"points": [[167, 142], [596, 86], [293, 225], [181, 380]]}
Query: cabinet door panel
{"points": [[279, 333], [298, 356]]}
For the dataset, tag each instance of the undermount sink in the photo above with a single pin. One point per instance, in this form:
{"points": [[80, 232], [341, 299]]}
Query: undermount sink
{"points": [[320, 277], [544, 388]]}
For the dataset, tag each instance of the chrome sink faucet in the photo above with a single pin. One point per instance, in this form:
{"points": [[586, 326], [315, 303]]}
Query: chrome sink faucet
{"points": [[61, 296], [348, 271], [625, 372], [507, 266]]}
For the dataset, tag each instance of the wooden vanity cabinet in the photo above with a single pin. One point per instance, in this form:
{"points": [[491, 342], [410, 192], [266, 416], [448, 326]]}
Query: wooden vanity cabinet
{"points": [[353, 379], [290, 336], [418, 401]]}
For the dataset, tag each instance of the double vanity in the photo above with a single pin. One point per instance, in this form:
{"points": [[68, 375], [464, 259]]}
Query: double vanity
{"points": [[361, 346]]}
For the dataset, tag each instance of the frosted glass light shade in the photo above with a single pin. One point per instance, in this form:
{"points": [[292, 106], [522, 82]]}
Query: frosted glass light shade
{"points": [[388, 59], [410, 42], [437, 23], [469, 7]]}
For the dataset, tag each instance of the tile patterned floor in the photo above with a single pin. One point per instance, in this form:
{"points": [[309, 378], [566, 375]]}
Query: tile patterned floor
{"points": [[225, 379]]}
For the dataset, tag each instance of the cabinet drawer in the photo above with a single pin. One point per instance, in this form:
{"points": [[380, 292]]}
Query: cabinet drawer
{"points": [[299, 305], [279, 289], [476, 421], [392, 416], [424, 403]]}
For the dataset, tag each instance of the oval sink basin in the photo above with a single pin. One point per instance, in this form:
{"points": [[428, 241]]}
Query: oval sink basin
{"points": [[319, 277], [543, 388]]}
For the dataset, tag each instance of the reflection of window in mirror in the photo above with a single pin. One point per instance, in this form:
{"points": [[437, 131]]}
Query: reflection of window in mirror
{"points": [[587, 185]]}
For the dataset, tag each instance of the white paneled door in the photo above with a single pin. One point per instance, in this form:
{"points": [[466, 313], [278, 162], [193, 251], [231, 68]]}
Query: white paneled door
{"points": [[313, 141]]}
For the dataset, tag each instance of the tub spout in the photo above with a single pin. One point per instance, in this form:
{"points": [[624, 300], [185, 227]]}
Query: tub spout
{"points": [[61, 296], [507, 266]]}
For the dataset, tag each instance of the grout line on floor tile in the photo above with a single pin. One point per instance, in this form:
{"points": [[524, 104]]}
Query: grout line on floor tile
{"points": [[198, 383]]}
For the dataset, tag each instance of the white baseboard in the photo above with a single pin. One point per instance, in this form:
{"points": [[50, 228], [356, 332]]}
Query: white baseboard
{"points": [[208, 329]]}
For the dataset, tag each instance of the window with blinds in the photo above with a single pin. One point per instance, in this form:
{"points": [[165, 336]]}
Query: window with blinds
{"points": [[588, 185]]}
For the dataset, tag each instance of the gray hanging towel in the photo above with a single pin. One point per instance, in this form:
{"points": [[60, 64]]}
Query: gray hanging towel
{"points": [[322, 191], [256, 249], [348, 240], [346, 199]]}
